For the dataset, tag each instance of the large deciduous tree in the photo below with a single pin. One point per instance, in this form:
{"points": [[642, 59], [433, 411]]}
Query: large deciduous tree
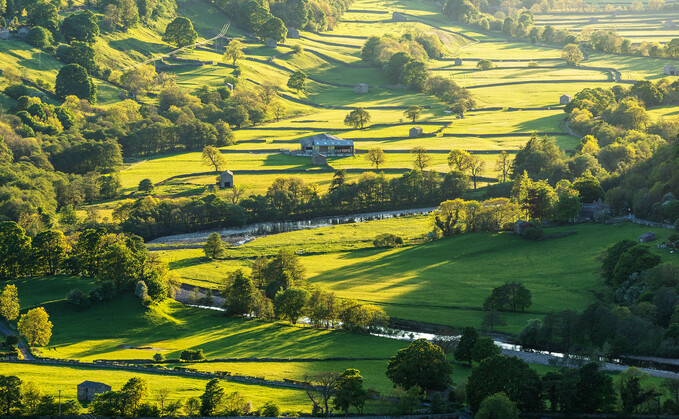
{"points": [[73, 80], [421, 364], [80, 27], [50, 249], [357, 118], [213, 157], [376, 157], [422, 159], [274, 28], [214, 246], [15, 249], [36, 327], [234, 51], [180, 32], [42, 13], [572, 55], [509, 297], [9, 302], [349, 391], [10, 393], [290, 304], [297, 81]]}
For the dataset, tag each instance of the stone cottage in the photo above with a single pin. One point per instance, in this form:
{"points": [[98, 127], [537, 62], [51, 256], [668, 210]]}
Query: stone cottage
{"points": [[88, 389], [226, 179]]}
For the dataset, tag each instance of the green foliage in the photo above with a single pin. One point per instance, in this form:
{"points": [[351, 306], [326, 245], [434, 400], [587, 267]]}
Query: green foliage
{"points": [[73, 80], [43, 14], [15, 249], [464, 350], [510, 296], [297, 81], [192, 355], [274, 28], [40, 37], [349, 391], [422, 364], [214, 247], [483, 348], [497, 406], [80, 27], [357, 118], [180, 32], [10, 391], [290, 304], [79, 52], [485, 64], [388, 240], [212, 398]]}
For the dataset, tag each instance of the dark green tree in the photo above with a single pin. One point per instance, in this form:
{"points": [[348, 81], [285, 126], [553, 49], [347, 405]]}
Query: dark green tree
{"points": [[240, 294], [484, 348], [10, 393], [211, 400], [80, 53], [595, 392], [40, 37], [274, 28], [297, 81], [349, 391], [180, 32], [497, 406], [80, 27], [15, 249], [511, 296], [636, 259], [464, 350], [50, 249], [42, 13], [73, 80], [214, 247], [357, 118], [291, 303], [421, 364]]}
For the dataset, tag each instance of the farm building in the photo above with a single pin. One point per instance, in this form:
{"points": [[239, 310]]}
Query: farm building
{"points": [[670, 70], [271, 43], [521, 226], [565, 99], [458, 61], [328, 145], [415, 132], [589, 211], [318, 159], [4, 34], [293, 33], [226, 179], [361, 88], [88, 389], [399, 17], [647, 237]]}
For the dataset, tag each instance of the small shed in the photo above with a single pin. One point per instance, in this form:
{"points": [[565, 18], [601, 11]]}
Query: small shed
{"points": [[670, 70], [361, 88], [271, 43], [399, 17], [521, 226], [293, 33], [458, 61], [4, 34], [226, 179], [647, 237], [318, 159], [88, 389], [23, 31], [565, 99], [415, 132]]}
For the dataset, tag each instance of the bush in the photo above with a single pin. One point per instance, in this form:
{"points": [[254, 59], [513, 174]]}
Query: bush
{"points": [[532, 64], [388, 240], [78, 299], [11, 340], [485, 65], [17, 90], [192, 355], [270, 409], [532, 233], [158, 357]]}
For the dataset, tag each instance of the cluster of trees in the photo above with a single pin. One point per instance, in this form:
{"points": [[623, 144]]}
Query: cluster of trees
{"points": [[404, 60], [277, 288], [27, 398], [34, 325], [270, 18], [290, 198]]}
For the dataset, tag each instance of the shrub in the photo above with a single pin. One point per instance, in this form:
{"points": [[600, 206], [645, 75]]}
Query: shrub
{"points": [[270, 409], [77, 299], [485, 65], [532, 64], [533, 233], [192, 355], [388, 240], [17, 90], [158, 357]]}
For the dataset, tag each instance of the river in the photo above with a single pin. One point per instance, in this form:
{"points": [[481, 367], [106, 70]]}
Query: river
{"points": [[239, 235]]}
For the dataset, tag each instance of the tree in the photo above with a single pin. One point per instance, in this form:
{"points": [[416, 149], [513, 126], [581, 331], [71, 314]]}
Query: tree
{"points": [[413, 112], [213, 157], [145, 186], [15, 248], [484, 65], [240, 294], [349, 391], [214, 247], [476, 166], [212, 399], [139, 80], [595, 392], [320, 388], [465, 347], [80, 27], [497, 406], [376, 157], [129, 13], [290, 304], [572, 55], [9, 303], [483, 348], [43, 14], [415, 75], [180, 32], [234, 51], [113, 17], [131, 395], [509, 375], [40, 37], [460, 160], [422, 159], [10, 393], [503, 166], [358, 118], [492, 319], [297, 81], [50, 248], [73, 80], [510, 296], [421, 364], [36, 327], [31, 395], [274, 28], [80, 53]]}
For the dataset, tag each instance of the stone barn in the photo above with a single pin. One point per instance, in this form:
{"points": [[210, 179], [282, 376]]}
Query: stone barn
{"points": [[589, 211], [647, 237], [318, 159], [361, 88], [271, 43], [327, 145], [88, 389], [226, 179], [458, 61], [415, 132], [670, 70], [399, 17], [565, 99], [293, 33]]}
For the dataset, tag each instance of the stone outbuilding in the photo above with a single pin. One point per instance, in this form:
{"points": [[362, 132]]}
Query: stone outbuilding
{"points": [[565, 99], [521, 226], [670, 70], [589, 211], [318, 159], [88, 389], [226, 179], [647, 237], [415, 132], [271, 43], [293, 33], [399, 17], [458, 61], [327, 145], [361, 89]]}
